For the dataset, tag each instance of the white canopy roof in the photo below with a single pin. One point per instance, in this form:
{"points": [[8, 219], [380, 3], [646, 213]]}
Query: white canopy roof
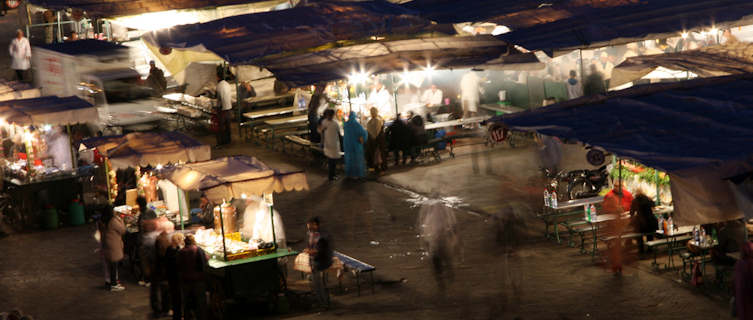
{"points": [[232, 177]]}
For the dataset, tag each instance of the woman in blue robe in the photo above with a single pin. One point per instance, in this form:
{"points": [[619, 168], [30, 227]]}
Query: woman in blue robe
{"points": [[353, 141]]}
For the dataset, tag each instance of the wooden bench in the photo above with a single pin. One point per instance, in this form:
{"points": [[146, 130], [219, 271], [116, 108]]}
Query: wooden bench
{"points": [[654, 245], [305, 144], [357, 267]]}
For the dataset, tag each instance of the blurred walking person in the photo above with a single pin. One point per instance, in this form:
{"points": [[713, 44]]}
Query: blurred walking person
{"points": [[353, 141], [330, 132], [320, 251], [437, 229], [20, 54], [510, 230]]}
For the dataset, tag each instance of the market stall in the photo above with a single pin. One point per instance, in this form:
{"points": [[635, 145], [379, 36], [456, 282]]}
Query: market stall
{"points": [[139, 150], [244, 248], [38, 156]]}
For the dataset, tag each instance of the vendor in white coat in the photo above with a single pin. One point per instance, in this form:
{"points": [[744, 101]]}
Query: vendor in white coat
{"points": [[382, 100], [59, 149], [20, 54], [470, 93]]}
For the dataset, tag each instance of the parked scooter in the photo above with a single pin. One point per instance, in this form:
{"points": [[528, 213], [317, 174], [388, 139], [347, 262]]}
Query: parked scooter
{"points": [[586, 183]]}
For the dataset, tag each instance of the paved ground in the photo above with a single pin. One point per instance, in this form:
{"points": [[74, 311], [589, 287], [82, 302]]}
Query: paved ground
{"points": [[56, 275]]}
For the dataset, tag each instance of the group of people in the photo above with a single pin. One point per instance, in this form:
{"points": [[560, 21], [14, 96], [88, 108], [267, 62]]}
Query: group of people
{"points": [[368, 147], [171, 264]]}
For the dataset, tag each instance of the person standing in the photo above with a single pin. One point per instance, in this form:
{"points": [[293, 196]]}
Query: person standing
{"points": [[594, 83], [319, 249], [113, 245], [744, 282], [375, 145], [20, 54], [156, 79], [469, 93], [330, 132], [191, 264], [382, 100], [355, 137], [224, 98], [432, 100], [399, 139], [574, 89], [159, 295], [173, 279]]}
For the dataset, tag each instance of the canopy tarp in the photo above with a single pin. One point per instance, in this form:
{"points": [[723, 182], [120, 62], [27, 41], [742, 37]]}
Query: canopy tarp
{"points": [[149, 148], [399, 55], [50, 110], [700, 131], [734, 57], [245, 38], [115, 8], [231, 177], [597, 26]]}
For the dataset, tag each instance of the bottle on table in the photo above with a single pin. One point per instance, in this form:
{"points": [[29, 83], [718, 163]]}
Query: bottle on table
{"points": [[696, 234], [586, 212], [592, 210], [554, 199], [546, 198]]}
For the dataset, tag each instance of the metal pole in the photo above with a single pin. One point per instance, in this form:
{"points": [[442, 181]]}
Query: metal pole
{"points": [[180, 208], [74, 163], [222, 229], [274, 236], [582, 70], [60, 26], [107, 180], [656, 176], [394, 95], [620, 179]]}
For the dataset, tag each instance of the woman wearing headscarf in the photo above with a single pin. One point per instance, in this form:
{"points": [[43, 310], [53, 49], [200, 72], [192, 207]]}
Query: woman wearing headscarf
{"points": [[355, 137], [375, 145], [744, 282]]}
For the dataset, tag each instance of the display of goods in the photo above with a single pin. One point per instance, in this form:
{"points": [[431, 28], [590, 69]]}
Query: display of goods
{"points": [[228, 217]]}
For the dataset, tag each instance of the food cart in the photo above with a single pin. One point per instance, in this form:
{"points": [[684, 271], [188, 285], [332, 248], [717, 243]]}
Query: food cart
{"points": [[243, 260], [143, 149], [38, 157]]}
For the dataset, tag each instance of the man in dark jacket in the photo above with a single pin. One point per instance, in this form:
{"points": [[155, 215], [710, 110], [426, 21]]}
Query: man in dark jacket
{"points": [[398, 139], [320, 256], [191, 264]]}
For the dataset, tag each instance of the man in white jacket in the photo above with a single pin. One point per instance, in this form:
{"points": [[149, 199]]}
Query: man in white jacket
{"points": [[20, 53]]}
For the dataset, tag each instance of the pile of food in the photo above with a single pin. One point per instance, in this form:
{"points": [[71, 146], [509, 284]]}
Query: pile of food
{"points": [[211, 242]]}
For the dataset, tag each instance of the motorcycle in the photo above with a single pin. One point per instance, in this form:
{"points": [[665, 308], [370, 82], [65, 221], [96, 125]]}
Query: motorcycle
{"points": [[586, 183]]}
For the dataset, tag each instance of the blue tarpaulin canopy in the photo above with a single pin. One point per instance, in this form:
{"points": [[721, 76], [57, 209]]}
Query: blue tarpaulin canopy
{"points": [[699, 131], [149, 148], [599, 27], [48, 110], [245, 38], [564, 25], [672, 126]]}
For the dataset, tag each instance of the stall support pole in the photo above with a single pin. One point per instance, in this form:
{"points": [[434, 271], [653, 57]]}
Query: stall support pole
{"points": [[274, 236], [394, 96], [222, 230], [582, 69], [180, 208], [60, 27], [619, 176], [107, 181], [656, 176], [74, 163]]}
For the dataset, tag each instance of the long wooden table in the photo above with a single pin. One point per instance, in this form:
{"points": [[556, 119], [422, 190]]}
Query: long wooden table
{"points": [[268, 113], [454, 123]]}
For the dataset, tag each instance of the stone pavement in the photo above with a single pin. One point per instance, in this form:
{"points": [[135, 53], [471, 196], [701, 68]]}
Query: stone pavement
{"points": [[56, 274]]}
